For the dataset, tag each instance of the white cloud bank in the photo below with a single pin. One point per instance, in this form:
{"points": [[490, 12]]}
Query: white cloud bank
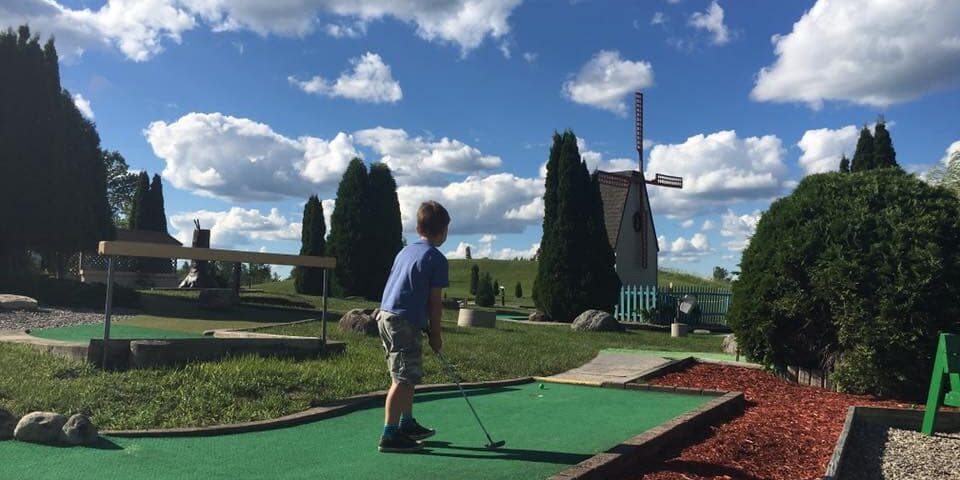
{"points": [[712, 21], [823, 147], [606, 79], [370, 81], [865, 52], [83, 105]]}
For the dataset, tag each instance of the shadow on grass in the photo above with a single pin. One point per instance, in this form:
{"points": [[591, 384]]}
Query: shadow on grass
{"points": [[102, 443], [502, 453], [187, 308]]}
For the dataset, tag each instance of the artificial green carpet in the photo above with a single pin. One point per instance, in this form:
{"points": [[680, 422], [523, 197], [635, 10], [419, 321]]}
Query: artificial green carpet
{"points": [[546, 431], [83, 333]]}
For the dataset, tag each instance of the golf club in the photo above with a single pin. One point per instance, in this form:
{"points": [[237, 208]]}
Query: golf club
{"points": [[456, 378]]}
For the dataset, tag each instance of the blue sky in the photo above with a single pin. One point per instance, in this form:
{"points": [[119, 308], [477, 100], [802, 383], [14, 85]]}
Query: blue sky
{"points": [[246, 107]]}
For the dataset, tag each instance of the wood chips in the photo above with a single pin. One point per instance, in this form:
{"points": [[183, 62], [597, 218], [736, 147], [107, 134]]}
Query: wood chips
{"points": [[787, 431]]}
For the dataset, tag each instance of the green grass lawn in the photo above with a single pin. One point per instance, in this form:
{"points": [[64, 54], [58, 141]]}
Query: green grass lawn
{"points": [[253, 388]]}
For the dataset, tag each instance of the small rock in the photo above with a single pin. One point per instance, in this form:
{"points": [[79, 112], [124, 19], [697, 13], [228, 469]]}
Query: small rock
{"points": [[7, 423], [596, 321], [17, 302], [730, 344], [360, 321], [79, 430], [538, 316], [40, 427]]}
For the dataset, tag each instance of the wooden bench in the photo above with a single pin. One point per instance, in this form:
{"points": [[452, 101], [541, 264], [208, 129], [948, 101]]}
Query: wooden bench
{"points": [[945, 381]]}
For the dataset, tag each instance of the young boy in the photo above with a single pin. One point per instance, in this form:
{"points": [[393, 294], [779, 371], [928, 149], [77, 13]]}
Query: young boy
{"points": [[411, 304]]}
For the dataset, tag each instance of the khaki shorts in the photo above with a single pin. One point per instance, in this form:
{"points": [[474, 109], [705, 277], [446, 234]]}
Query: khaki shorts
{"points": [[402, 346]]}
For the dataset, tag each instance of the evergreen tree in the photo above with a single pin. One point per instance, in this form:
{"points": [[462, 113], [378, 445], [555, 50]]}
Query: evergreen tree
{"points": [[140, 205], [469, 257], [601, 281], [844, 164], [312, 242], [884, 155], [549, 209], [158, 214], [863, 158], [384, 229], [496, 287], [485, 294], [518, 291], [349, 227], [474, 279]]}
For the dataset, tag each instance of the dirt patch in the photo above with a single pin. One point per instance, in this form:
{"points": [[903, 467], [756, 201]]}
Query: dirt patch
{"points": [[788, 431]]}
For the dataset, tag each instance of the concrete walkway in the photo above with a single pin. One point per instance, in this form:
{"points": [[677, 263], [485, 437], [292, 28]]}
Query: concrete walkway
{"points": [[610, 367]]}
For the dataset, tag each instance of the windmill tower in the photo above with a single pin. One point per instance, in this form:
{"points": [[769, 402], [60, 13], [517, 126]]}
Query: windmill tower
{"points": [[628, 216]]}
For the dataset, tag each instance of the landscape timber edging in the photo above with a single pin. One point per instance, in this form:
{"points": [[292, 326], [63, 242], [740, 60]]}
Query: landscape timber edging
{"points": [[654, 441], [902, 418], [341, 407], [669, 367]]}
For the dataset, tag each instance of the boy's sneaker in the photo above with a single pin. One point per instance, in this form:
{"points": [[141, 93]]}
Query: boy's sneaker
{"points": [[399, 443], [417, 431]]}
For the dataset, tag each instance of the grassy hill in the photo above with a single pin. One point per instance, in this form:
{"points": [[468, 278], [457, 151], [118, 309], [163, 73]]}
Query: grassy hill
{"points": [[508, 273]]}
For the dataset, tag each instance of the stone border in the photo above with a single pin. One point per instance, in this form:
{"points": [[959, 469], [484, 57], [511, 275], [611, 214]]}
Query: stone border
{"points": [[342, 407], [669, 367], [649, 444], [903, 418]]}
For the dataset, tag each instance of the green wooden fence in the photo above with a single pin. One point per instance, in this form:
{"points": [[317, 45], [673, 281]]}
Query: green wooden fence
{"points": [[652, 304]]}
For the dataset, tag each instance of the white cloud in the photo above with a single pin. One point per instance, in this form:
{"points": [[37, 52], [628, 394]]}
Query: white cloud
{"points": [[739, 228], [683, 249], [658, 19], [83, 105], [465, 23], [135, 27], [952, 150], [604, 80], [865, 53], [486, 250], [718, 170], [823, 147], [139, 28], [236, 227], [505, 49], [346, 30], [479, 204], [708, 225], [712, 21], [370, 81], [238, 159], [413, 157], [686, 223], [530, 57], [595, 161]]}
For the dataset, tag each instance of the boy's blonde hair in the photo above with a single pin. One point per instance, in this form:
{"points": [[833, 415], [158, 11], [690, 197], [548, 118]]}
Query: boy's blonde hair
{"points": [[432, 219]]}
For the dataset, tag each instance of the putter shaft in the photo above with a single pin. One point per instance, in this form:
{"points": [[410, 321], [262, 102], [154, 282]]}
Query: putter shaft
{"points": [[456, 378]]}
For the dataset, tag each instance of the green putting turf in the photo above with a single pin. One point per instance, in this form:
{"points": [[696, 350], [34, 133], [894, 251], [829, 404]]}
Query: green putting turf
{"points": [[83, 333], [546, 431]]}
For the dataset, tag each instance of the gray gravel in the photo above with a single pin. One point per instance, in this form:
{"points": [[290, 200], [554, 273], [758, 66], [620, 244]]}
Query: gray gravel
{"points": [[20, 320], [880, 452]]}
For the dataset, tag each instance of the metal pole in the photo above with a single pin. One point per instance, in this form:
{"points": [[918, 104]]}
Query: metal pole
{"points": [[107, 310], [324, 315]]}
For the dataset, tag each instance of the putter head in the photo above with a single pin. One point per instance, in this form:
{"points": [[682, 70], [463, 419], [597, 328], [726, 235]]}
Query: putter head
{"points": [[496, 445]]}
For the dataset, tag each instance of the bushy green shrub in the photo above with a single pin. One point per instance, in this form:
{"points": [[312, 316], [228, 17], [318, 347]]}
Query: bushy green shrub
{"points": [[49, 291], [486, 297], [857, 272]]}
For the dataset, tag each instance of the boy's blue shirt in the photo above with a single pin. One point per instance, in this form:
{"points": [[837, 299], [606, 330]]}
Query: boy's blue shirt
{"points": [[418, 268]]}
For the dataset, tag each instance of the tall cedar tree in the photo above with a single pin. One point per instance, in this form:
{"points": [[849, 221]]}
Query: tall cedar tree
{"points": [[474, 279], [140, 205], [121, 186], [312, 242], [884, 155], [602, 280], [469, 256], [349, 241], [52, 181], [543, 278], [485, 294], [576, 271], [844, 164], [385, 231], [158, 220], [863, 158], [518, 291]]}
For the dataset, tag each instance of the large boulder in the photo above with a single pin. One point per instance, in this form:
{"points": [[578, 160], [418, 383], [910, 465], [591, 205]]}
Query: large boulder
{"points": [[360, 321], [7, 423], [730, 344], [79, 430], [40, 427], [596, 321], [17, 302], [538, 316]]}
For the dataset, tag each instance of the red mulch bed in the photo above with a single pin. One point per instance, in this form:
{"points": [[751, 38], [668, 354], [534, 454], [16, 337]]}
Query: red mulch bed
{"points": [[787, 431]]}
